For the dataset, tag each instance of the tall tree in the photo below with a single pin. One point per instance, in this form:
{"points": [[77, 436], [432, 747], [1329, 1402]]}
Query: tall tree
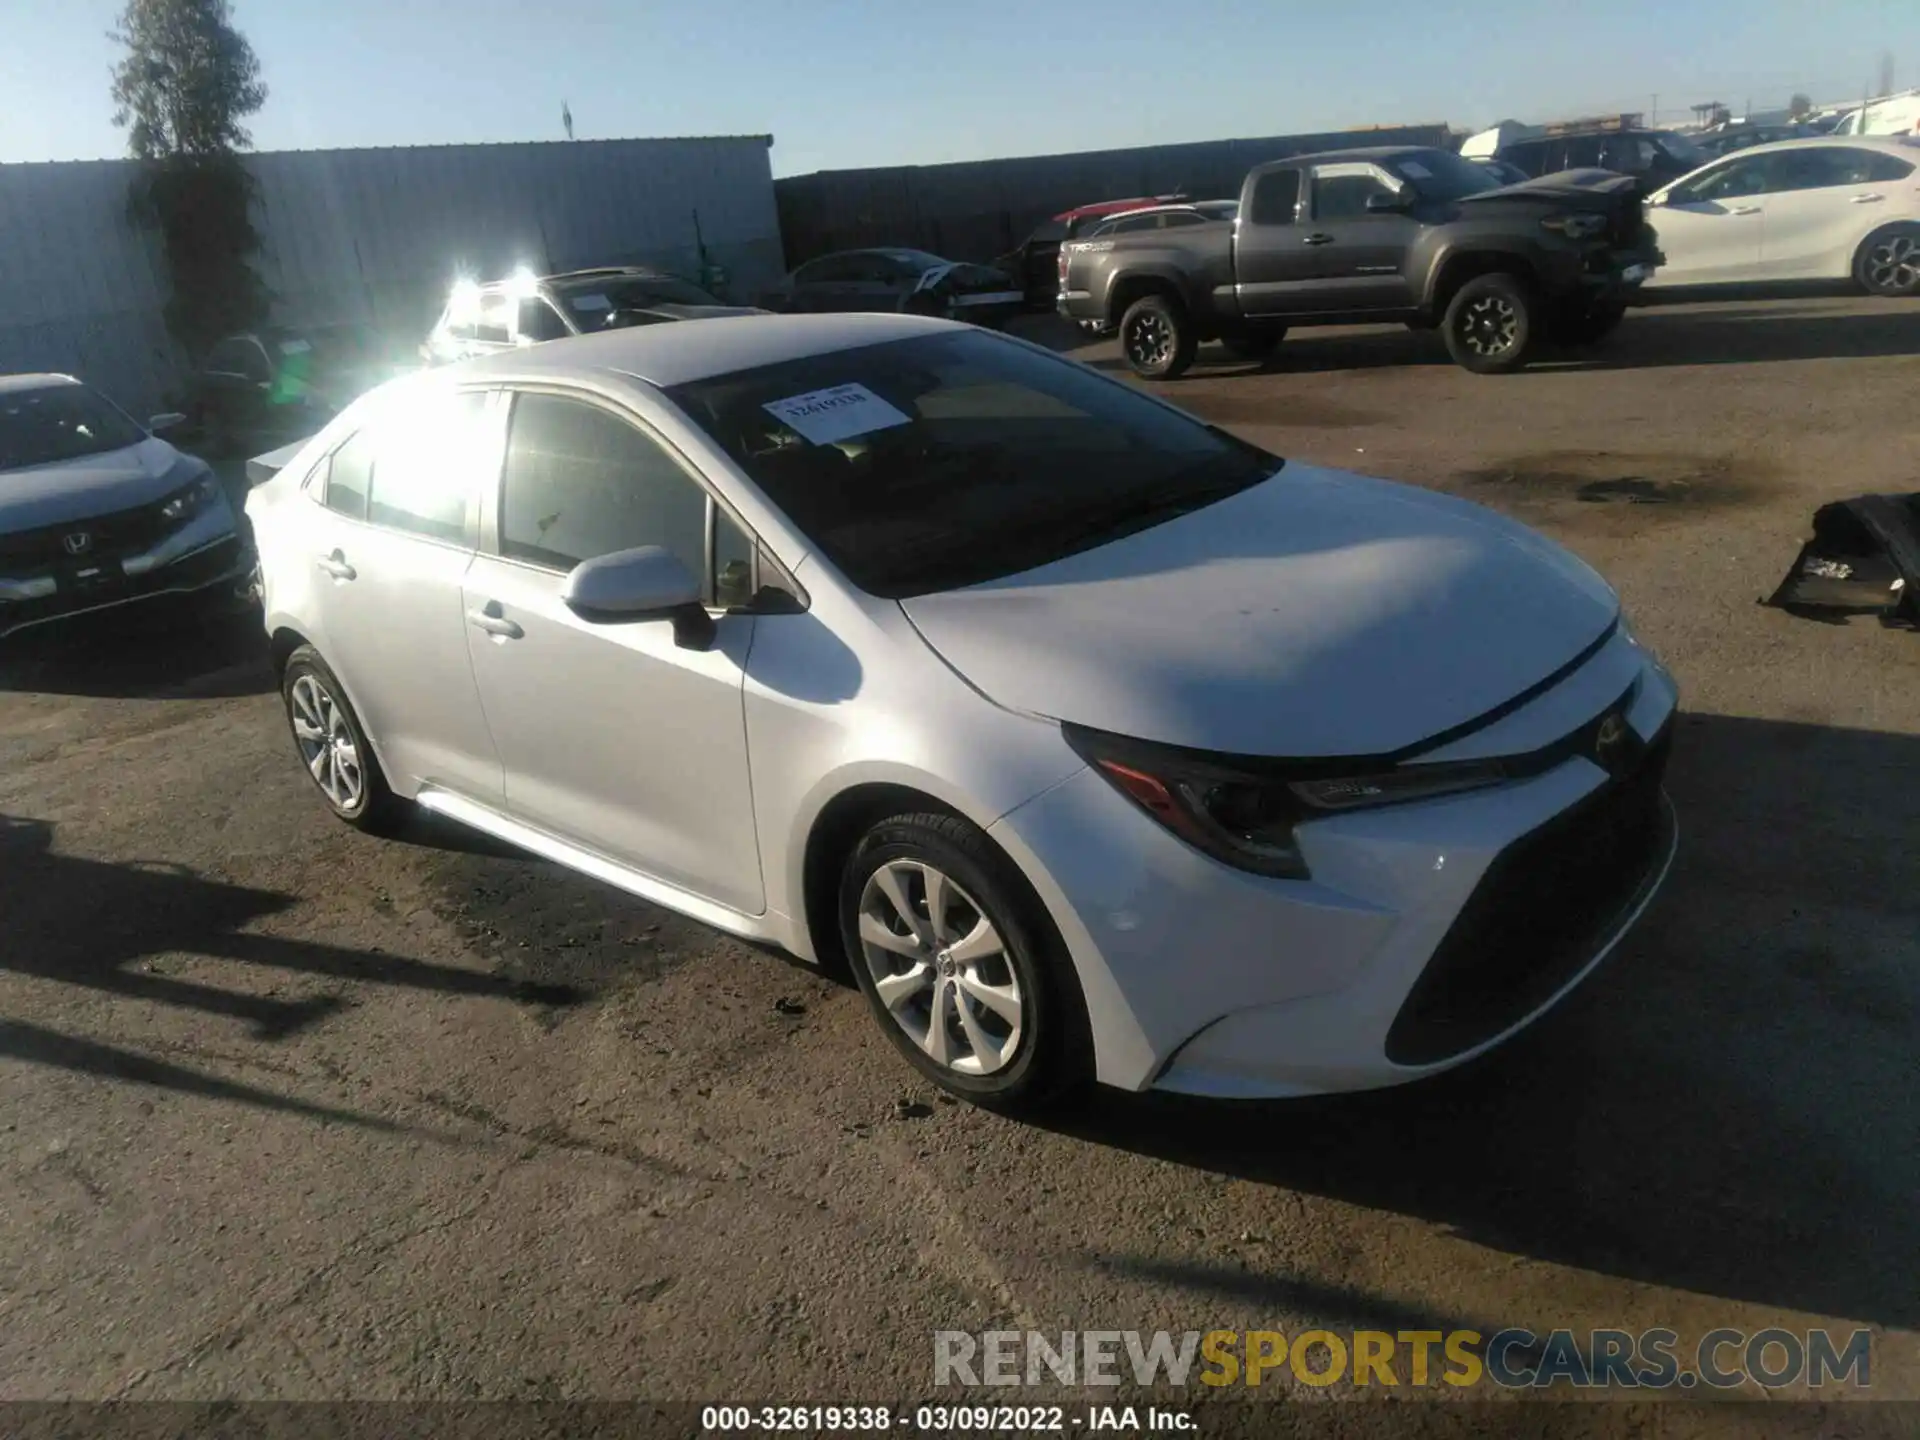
{"points": [[185, 85], [1799, 107]]}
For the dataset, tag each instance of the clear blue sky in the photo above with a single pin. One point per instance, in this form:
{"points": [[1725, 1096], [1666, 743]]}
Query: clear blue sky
{"points": [[859, 82]]}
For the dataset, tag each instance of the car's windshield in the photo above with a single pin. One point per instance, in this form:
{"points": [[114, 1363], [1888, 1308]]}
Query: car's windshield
{"points": [[947, 460], [1440, 176], [592, 301], [46, 425]]}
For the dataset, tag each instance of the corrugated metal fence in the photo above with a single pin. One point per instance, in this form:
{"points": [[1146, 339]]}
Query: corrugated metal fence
{"points": [[976, 210], [374, 236]]}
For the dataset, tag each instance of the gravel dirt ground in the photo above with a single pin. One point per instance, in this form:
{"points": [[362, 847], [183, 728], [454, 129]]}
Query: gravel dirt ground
{"points": [[291, 1113]]}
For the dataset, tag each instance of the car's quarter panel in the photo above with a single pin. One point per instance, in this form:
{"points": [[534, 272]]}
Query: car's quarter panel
{"points": [[617, 738]]}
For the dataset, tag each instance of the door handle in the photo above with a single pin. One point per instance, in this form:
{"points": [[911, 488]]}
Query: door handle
{"points": [[1744, 210], [1868, 199], [336, 565], [1318, 240], [489, 619]]}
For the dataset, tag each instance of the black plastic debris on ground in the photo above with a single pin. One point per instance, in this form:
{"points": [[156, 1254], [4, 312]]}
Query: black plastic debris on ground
{"points": [[1863, 559]]}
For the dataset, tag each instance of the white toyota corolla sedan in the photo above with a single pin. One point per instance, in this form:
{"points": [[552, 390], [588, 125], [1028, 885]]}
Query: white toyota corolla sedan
{"points": [[1097, 742]]}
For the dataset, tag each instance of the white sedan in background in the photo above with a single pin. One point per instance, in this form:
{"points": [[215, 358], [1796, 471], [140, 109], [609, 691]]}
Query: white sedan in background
{"points": [[1095, 741], [1822, 209]]}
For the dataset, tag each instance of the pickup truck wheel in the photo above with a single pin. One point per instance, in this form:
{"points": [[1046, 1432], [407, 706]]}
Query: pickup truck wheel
{"points": [[1157, 338], [1255, 344], [1490, 324]]}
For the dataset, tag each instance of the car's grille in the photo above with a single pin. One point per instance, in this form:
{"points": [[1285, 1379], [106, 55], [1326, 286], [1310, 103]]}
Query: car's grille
{"points": [[1543, 907], [112, 587], [108, 539]]}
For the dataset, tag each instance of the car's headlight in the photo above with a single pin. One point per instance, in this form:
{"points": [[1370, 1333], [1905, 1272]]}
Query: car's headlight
{"points": [[1247, 817], [1581, 226], [190, 501]]}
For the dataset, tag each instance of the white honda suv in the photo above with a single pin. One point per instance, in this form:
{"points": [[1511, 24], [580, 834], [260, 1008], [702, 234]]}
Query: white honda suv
{"points": [[1097, 742]]}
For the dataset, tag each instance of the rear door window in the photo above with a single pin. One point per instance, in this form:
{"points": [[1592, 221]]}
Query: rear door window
{"points": [[539, 321], [350, 476]]}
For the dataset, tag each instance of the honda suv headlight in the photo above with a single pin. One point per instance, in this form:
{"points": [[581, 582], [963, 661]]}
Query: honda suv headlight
{"points": [[1582, 226], [1247, 816], [190, 501]]}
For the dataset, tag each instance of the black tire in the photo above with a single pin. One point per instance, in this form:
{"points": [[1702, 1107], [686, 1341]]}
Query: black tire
{"points": [[1157, 338], [1255, 344], [1490, 324], [1589, 324], [374, 808], [1051, 1048], [1888, 262]]}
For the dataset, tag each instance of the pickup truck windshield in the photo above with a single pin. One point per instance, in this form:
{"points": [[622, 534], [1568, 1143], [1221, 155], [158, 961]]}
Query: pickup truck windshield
{"points": [[1440, 176], [60, 422], [947, 460]]}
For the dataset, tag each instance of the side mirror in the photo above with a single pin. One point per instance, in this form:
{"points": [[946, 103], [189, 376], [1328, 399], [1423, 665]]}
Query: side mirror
{"points": [[1381, 203], [166, 421], [648, 583]]}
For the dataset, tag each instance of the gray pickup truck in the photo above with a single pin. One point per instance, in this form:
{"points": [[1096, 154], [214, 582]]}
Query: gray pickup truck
{"points": [[1403, 234]]}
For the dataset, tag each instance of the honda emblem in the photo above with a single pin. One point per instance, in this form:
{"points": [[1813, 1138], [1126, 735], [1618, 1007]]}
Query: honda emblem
{"points": [[77, 543]]}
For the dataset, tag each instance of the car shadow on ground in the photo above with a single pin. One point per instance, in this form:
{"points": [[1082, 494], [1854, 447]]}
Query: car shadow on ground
{"points": [[105, 927], [1727, 1107], [165, 651], [1648, 338]]}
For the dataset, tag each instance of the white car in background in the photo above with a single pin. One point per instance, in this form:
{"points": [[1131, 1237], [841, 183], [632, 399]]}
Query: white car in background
{"points": [[1820, 209], [1096, 741]]}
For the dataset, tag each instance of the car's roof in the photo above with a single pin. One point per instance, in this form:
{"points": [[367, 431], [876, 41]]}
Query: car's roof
{"points": [[666, 355], [1891, 144], [581, 277], [1113, 207], [12, 384]]}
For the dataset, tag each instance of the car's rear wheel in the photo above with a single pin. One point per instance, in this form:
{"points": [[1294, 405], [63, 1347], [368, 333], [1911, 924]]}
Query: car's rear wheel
{"points": [[1889, 261], [960, 963], [1490, 324], [1157, 338], [334, 747], [1255, 344]]}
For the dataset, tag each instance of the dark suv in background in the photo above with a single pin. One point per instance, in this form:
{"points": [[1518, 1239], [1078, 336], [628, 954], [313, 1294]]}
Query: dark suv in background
{"points": [[1654, 157]]}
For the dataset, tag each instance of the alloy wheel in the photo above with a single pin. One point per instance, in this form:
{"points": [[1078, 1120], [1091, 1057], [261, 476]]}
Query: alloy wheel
{"points": [[326, 743], [1489, 326], [1893, 266], [940, 968], [1149, 341]]}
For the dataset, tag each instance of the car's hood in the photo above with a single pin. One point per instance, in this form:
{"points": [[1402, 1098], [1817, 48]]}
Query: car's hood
{"points": [[1569, 189], [92, 485], [1317, 614]]}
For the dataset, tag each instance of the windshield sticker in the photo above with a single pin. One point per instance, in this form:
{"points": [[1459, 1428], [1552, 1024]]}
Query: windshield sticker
{"points": [[825, 417], [1414, 170], [294, 347], [591, 302]]}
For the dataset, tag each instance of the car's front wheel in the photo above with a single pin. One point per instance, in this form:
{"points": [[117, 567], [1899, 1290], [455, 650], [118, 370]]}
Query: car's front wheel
{"points": [[960, 964], [1157, 338], [333, 747], [1889, 261], [1490, 324]]}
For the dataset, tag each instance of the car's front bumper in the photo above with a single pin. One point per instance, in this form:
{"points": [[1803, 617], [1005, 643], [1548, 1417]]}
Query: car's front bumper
{"points": [[1429, 933], [206, 554]]}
